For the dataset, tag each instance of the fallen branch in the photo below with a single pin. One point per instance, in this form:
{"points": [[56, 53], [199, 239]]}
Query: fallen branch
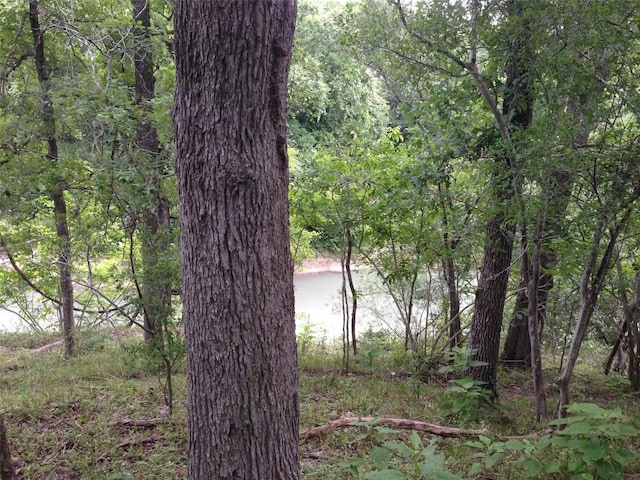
{"points": [[141, 422], [399, 423], [49, 346]]}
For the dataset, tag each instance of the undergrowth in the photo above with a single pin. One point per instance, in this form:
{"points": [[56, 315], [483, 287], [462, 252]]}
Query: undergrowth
{"points": [[68, 419]]}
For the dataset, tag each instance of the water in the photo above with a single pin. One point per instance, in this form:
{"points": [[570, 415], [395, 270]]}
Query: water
{"points": [[318, 303]]}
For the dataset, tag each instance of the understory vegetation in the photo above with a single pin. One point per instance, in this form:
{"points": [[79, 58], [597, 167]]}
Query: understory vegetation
{"points": [[103, 415]]}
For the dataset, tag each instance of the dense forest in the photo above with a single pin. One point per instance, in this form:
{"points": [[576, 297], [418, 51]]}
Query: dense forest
{"points": [[480, 158]]}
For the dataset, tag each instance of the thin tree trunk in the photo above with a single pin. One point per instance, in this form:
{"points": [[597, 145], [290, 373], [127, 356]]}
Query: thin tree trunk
{"points": [[6, 464], [615, 349], [352, 289], [534, 331], [57, 190], [631, 318], [590, 288], [455, 327], [232, 60], [156, 235]]}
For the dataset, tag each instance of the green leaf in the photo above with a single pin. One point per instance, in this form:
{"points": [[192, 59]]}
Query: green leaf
{"points": [[476, 469], [416, 441], [380, 457], [543, 442], [400, 448], [607, 470], [532, 466], [581, 428], [593, 452], [552, 467], [389, 474], [515, 445], [492, 459]]}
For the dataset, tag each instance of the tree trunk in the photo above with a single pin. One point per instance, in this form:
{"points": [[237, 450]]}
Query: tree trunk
{"points": [[534, 324], [590, 287], [232, 60], [630, 325], [352, 289], [517, 113], [57, 190], [455, 328], [156, 235], [6, 464], [490, 297], [516, 346]]}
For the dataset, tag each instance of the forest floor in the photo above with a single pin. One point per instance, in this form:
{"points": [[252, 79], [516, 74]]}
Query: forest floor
{"points": [[103, 414]]}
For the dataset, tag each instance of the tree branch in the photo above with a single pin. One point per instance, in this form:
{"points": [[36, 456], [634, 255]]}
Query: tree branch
{"points": [[400, 423]]}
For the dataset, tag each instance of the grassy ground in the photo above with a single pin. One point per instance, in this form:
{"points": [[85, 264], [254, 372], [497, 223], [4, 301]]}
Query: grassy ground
{"points": [[72, 419]]}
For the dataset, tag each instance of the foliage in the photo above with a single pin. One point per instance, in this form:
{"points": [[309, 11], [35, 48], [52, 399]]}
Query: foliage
{"points": [[465, 396], [368, 353], [589, 444], [399, 460]]}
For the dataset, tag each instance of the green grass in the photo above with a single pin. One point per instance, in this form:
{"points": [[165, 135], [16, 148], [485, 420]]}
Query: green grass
{"points": [[65, 417]]}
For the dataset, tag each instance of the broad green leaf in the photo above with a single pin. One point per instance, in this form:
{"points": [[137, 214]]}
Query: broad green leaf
{"points": [[400, 448], [515, 445], [389, 474], [593, 452], [552, 467], [492, 459], [532, 466], [380, 457]]}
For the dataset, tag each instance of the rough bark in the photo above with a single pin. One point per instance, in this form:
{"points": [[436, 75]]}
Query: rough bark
{"points": [[517, 113], [57, 189], [232, 60], [6, 465], [156, 235]]}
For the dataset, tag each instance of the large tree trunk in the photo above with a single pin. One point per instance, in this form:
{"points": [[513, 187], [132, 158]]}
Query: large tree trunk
{"points": [[232, 62], [156, 235], [517, 113], [57, 189]]}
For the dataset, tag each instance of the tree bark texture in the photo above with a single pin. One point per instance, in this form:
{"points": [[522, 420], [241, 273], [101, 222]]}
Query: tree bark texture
{"points": [[517, 111], [156, 234], [57, 189], [6, 465], [232, 60]]}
